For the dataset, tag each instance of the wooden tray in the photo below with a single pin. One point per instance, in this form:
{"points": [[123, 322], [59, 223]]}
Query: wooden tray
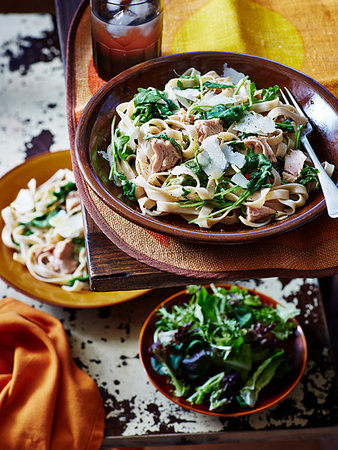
{"points": [[111, 268]]}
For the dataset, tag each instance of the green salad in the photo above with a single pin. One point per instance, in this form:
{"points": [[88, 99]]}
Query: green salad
{"points": [[222, 347]]}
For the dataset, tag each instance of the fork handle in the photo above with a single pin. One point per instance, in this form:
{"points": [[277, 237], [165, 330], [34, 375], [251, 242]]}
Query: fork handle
{"points": [[330, 190]]}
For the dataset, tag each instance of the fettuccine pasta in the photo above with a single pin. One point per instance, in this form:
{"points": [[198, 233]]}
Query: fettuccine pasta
{"points": [[212, 149], [44, 227]]}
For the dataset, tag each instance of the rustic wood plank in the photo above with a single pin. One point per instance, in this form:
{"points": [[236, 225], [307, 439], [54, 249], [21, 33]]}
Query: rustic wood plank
{"points": [[111, 269]]}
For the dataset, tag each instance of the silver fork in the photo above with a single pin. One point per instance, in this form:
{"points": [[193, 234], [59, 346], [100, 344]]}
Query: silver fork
{"points": [[329, 189]]}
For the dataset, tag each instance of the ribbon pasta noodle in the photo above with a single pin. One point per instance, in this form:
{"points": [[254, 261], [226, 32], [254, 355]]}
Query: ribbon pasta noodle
{"points": [[44, 227], [212, 149]]}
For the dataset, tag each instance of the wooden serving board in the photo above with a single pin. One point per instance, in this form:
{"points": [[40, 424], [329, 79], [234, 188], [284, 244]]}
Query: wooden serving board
{"points": [[124, 256], [110, 269]]}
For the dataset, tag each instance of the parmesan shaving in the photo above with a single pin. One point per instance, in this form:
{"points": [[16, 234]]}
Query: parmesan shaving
{"points": [[254, 123]]}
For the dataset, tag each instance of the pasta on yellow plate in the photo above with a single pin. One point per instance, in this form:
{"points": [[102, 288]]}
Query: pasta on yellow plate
{"points": [[213, 149], [44, 227]]}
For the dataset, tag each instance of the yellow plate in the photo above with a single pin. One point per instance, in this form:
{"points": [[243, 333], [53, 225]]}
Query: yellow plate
{"points": [[42, 167]]}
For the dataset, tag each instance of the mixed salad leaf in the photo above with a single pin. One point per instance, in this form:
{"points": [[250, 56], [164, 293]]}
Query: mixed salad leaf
{"points": [[222, 347]]}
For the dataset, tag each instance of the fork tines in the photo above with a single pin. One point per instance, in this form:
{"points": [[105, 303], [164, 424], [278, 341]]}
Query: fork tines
{"points": [[293, 101]]}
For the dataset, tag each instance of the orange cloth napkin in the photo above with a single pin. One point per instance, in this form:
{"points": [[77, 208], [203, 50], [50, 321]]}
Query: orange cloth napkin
{"points": [[46, 401]]}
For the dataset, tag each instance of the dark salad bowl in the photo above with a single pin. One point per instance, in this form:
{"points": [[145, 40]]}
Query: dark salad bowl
{"points": [[94, 134], [295, 348]]}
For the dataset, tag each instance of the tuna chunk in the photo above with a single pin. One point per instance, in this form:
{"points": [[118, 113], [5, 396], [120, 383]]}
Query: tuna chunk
{"points": [[206, 128], [72, 200], [260, 145], [165, 155], [263, 212], [268, 152], [63, 257], [294, 162]]}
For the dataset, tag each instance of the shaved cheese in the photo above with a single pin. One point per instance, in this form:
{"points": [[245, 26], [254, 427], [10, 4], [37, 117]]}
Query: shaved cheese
{"points": [[236, 158], [215, 158], [233, 74], [255, 123], [240, 180], [189, 94], [183, 170], [212, 159], [32, 185], [210, 99], [131, 131], [171, 94], [24, 201], [67, 226]]}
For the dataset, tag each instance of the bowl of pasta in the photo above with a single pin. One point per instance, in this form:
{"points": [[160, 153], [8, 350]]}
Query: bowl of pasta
{"points": [[200, 146]]}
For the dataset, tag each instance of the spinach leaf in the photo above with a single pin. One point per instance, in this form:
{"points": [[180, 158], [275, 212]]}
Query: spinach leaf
{"points": [[152, 103], [258, 168], [115, 175], [64, 191], [297, 145], [128, 188], [83, 279], [195, 167], [78, 241], [268, 94], [307, 175], [120, 141], [286, 126], [228, 115], [211, 85], [41, 221]]}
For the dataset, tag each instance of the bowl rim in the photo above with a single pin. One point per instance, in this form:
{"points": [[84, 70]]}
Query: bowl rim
{"points": [[33, 288], [171, 299], [197, 235]]}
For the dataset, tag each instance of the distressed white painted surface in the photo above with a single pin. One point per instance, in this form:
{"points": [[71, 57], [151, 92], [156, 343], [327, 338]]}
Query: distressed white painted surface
{"points": [[104, 342], [33, 97]]}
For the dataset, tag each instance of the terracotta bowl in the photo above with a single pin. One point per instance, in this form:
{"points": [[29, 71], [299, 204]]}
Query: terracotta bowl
{"points": [[296, 349], [42, 167], [93, 133]]}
